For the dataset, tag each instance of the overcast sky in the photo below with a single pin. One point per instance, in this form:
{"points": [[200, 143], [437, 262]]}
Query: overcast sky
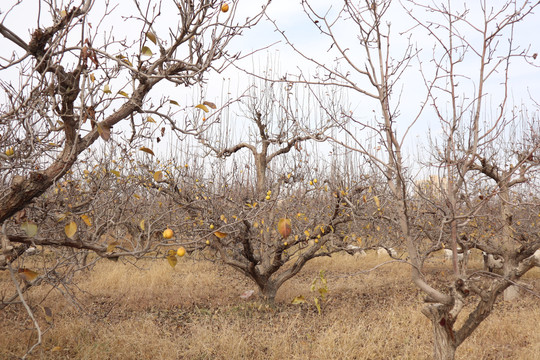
{"points": [[289, 16]]}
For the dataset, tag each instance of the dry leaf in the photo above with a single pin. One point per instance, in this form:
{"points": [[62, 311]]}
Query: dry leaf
{"points": [[48, 314], [27, 274], [104, 131], [87, 220], [152, 37], [29, 228], [158, 176], [147, 150], [202, 107], [171, 258], [70, 229], [220, 234], [298, 300], [146, 51], [210, 104], [284, 227]]}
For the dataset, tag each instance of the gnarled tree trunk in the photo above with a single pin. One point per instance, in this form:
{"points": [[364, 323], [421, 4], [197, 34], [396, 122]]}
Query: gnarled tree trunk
{"points": [[444, 341]]}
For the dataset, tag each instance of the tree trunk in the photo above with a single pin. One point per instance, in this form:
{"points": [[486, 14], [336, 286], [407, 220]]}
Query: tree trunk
{"points": [[260, 165], [268, 291], [444, 343]]}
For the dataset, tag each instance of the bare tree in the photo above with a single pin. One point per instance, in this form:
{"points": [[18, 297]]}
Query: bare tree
{"points": [[65, 103], [75, 81], [270, 212], [371, 68]]}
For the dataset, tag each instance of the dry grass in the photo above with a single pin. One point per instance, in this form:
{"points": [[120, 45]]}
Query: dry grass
{"points": [[194, 312]]}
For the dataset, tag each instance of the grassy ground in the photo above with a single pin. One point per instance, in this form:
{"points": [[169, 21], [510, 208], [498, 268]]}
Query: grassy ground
{"points": [[194, 311]]}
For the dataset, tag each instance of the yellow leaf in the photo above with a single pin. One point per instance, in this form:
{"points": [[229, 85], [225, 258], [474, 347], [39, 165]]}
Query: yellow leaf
{"points": [[150, 119], [152, 37], [171, 258], [220, 234], [116, 173], [70, 229], [377, 202], [126, 61], [298, 300], [141, 224], [56, 348], [92, 77], [146, 51], [174, 102], [158, 176], [107, 89], [123, 93], [202, 107], [86, 219], [147, 150]]}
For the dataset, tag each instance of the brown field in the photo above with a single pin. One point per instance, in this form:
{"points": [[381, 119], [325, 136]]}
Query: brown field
{"points": [[152, 311]]}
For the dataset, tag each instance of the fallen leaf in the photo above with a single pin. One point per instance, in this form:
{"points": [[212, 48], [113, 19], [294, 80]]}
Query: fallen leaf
{"points": [[298, 300], [29, 228]]}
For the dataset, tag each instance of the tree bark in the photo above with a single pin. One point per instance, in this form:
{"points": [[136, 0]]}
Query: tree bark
{"points": [[444, 342], [268, 291]]}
